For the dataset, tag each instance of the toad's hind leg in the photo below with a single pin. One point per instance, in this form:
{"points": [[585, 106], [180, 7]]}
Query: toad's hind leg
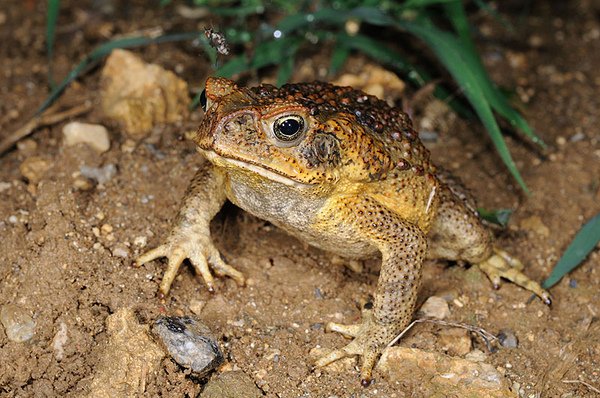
{"points": [[458, 234]]}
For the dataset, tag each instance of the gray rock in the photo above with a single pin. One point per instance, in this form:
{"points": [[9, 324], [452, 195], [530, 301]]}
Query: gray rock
{"points": [[235, 384], [508, 339], [100, 174], [190, 343], [18, 324]]}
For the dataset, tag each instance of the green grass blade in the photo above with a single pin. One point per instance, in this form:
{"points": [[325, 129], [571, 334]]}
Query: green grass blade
{"points": [[295, 22], [498, 216], [371, 15], [338, 59], [286, 68], [451, 53], [104, 49], [456, 14], [51, 18], [482, 4], [239, 12], [584, 242], [423, 3], [234, 66], [272, 52]]}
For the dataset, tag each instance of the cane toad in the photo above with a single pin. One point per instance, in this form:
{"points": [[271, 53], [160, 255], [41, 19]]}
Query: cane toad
{"points": [[344, 172]]}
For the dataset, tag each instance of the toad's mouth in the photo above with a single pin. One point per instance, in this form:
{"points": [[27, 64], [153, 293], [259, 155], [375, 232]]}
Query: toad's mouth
{"points": [[254, 167]]}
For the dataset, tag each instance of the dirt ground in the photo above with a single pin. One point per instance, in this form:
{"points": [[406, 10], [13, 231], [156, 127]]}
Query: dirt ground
{"points": [[58, 243]]}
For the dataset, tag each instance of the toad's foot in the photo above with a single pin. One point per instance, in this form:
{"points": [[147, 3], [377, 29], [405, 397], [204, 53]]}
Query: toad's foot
{"points": [[370, 339], [503, 265], [199, 249]]}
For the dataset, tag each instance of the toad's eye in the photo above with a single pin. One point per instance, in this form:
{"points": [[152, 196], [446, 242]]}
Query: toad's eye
{"points": [[288, 128], [203, 100]]}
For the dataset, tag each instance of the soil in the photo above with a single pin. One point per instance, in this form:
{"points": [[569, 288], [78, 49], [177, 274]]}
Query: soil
{"points": [[58, 261]]}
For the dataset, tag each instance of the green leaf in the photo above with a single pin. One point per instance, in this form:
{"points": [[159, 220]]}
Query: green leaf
{"points": [[234, 66], [104, 49], [586, 239], [286, 68], [240, 12], [451, 52], [272, 52], [371, 15], [338, 59], [196, 100], [423, 3], [51, 18], [487, 8], [498, 101], [294, 22], [498, 216]]}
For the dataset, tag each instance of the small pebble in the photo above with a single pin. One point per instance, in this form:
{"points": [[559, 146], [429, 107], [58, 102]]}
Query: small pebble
{"points": [[196, 306], [429, 136], [33, 168], [128, 146], [82, 184], [476, 356], [146, 198], [18, 324], [58, 342], [190, 343], [27, 147], [579, 136], [140, 241], [508, 339], [100, 174], [120, 250], [234, 384], [535, 224], [318, 294], [435, 307], [94, 135], [4, 186]]}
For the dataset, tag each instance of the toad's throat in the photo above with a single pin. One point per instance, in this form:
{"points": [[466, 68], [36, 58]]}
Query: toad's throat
{"points": [[253, 167]]}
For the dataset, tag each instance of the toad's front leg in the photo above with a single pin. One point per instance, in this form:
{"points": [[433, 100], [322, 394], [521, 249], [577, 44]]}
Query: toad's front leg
{"points": [[402, 246], [190, 236]]}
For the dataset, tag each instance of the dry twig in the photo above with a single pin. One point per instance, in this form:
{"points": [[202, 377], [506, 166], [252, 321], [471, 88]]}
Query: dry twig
{"points": [[484, 334], [50, 116], [588, 385]]}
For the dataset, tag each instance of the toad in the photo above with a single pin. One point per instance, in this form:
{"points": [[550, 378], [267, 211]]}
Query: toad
{"points": [[342, 171]]}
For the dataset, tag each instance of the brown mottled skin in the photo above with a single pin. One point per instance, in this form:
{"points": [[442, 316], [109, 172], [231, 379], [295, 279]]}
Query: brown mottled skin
{"points": [[344, 172]]}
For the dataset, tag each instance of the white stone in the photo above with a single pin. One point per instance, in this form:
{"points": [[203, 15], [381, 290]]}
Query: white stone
{"points": [[435, 307], [94, 135], [18, 325]]}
